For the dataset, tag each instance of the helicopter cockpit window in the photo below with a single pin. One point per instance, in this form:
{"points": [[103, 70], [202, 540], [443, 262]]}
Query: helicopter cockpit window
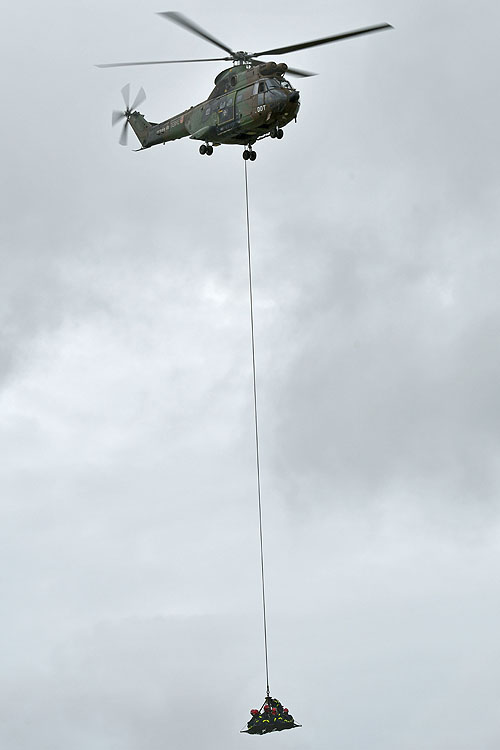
{"points": [[285, 84], [273, 83], [262, 87]]}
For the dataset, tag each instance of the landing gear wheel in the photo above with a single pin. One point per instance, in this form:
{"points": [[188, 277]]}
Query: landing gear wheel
{"points": [[249, 153], [210, 150], [273, 133], [203, 149], [279, 134]]}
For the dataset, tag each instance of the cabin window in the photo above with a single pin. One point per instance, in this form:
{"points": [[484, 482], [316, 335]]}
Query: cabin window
{"points": [[239, 97], [262, 87], [233, 81]]}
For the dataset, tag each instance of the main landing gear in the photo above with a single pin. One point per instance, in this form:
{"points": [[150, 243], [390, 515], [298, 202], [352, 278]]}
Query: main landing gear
{"points": [[276, 133], [249, 153], [207, 149]]}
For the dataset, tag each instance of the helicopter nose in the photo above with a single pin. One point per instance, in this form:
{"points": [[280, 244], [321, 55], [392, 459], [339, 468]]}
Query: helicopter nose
{"points": [[294, 96]]}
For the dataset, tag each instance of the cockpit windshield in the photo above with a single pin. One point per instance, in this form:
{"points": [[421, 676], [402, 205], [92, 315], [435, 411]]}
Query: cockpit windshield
{"points": [[278, 83]]}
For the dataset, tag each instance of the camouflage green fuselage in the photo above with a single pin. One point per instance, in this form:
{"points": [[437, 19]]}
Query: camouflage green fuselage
{"points": [[246, 104]]}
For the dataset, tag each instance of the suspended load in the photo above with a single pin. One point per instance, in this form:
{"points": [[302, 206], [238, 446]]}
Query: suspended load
{"points": [[272, 717]]}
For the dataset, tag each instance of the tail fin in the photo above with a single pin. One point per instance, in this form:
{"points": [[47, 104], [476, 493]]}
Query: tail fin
{"points": [[141, 127]]}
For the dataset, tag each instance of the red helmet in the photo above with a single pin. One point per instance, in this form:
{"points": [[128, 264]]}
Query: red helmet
{"points": [[266, 707], [254, 712], [285, 710], [274, 710]]}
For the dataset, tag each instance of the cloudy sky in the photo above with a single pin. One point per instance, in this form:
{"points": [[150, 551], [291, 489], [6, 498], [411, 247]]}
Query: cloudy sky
{"points": [[130, 600]]}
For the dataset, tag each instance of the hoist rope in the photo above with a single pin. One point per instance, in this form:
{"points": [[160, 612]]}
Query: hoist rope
{"points": [[259, 497]]}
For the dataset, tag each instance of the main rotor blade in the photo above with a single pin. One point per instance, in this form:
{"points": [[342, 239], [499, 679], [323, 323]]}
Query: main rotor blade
{"points": [[161, 62], [324, 40], [181, 20], [299, 73], [141, 96], [124, 134]]}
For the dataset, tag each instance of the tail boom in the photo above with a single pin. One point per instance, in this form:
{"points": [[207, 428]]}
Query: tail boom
{"points": [[152, 134]]}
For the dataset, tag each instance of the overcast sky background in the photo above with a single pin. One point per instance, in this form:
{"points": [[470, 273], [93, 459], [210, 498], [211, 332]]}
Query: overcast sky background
{"points": [[130, 601]]}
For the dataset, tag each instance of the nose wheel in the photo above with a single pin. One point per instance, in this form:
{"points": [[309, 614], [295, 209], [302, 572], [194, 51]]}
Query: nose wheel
{"points": [[249, 153], [207, 149]]}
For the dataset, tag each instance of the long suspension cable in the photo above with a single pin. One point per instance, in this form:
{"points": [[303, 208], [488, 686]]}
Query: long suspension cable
{"points": [[256, 432]]}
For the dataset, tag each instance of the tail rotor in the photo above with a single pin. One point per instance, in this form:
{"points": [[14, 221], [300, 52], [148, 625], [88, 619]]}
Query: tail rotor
{"points": [[118, 115]]}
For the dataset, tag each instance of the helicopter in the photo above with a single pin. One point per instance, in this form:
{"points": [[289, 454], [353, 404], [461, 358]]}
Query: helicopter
{"points": [[251, 100]]}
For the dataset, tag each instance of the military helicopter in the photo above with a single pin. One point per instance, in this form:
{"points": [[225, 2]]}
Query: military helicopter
{"points": [[251, 100]]}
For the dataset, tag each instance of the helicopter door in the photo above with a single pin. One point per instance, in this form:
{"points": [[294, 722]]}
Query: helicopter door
{"points": [[261, 93], [260, 89], [225, 109]]}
